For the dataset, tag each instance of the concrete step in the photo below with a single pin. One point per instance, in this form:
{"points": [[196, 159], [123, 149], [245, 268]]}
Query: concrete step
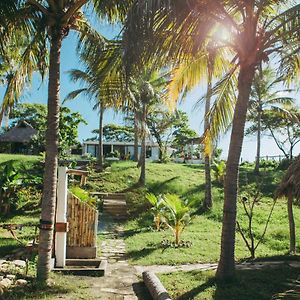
{"points": [[114, 202]]}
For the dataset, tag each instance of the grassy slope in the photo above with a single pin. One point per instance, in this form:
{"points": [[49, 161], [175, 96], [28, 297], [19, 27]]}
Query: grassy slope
{"points": [[143, 244]]}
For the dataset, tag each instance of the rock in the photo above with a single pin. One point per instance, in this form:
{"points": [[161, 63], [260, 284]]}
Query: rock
{"points": [[2, 261], [11, 277], [1, 278], [6, 283], [19, 263], [21, 282]]}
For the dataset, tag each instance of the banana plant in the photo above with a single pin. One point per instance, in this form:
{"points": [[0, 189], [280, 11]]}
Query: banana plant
{"points": [[157, 208], [176, 216]]}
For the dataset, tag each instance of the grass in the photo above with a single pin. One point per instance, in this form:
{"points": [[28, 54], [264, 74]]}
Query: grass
{"points": [[248, 285], [61, 287], [19, 157]]}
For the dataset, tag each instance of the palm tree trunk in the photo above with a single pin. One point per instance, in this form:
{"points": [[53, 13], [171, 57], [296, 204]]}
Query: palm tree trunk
{"points": [[207, 204], [50, 173], [142, 162], [100, 152], [257, 160], [291, 224], [136, 137], [226, 266]]}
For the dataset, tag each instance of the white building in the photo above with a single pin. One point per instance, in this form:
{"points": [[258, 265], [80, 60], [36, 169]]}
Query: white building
{"points": [[126, 149]]}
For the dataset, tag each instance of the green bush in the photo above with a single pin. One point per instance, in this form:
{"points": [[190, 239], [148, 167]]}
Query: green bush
{"points": [[83, 195], [284, 164], [268, 164]]}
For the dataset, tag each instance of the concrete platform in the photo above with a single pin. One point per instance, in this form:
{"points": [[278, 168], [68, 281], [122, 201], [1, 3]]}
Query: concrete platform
{"points": [[84, 267]]}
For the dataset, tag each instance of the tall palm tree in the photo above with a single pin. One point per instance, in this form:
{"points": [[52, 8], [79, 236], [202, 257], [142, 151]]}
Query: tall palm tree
{"points": [[146, 90], [136, 92], [105, 89], [49, 23], [208, 65], [253, 31], [266, 96]]}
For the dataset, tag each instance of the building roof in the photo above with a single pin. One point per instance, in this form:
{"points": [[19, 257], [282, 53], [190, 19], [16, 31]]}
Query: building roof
{"points": [[290, 183], [116, 143], [21, 133]]}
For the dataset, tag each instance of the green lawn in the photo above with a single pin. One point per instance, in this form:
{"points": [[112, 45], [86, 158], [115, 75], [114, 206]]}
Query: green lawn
{"points": [[19, 157], [248, 285]]}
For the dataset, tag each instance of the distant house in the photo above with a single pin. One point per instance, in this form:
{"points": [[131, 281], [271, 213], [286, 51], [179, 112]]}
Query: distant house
{"points": [[16, 139], [125, 149]]}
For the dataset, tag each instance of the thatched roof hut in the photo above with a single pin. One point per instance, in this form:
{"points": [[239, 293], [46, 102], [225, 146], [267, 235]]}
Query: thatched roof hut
{"points": [[290, 184], [21, 133]]}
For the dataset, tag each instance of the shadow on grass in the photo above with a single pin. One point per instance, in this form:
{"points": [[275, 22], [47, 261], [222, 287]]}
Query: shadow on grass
{"points": [[138, 254], [194, 167], [35, 291], [158, 187], [268, 283]]}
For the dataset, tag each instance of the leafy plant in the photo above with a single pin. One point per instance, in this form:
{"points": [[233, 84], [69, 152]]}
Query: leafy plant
{"points": [[158, 204], [83, 195], [219, 171], [176, 216], [9, 180]]}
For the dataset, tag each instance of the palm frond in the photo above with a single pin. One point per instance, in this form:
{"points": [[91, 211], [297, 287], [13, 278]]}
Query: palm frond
{"points": [[221, 113]]}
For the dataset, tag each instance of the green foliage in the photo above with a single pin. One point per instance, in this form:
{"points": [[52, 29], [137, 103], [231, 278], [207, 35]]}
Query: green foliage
{"points": [[284, 164], [115, 154], [9, 180], [156, 209], [36, 116], [284, 131], [219, 169], [114, 132], [15, 180], [83, 195], [183, 133], [177, 216]]}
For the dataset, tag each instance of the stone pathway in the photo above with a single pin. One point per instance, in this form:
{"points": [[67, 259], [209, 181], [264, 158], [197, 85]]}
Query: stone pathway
{"points": [[121, 281]]}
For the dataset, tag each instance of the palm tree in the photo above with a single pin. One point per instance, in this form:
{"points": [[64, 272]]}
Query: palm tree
{"points": [[146, 88], [104, 86], [265, 96], [49, 22], [253, 30], [185, 77]]}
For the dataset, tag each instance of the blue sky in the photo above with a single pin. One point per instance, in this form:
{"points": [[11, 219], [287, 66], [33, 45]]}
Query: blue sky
{"points": [[38, 94]]}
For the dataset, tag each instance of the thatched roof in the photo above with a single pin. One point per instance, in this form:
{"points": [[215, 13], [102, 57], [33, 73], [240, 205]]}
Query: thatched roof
{"points": [[21, 133], [290, 184]]}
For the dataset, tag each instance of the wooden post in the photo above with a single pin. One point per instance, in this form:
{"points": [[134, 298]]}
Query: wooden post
{"points": [[61, 218]]}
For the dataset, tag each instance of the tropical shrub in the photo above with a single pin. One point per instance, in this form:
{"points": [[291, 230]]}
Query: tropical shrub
{"points": [[219, 169], [176, 216], [158, 205], [9, 180]]}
